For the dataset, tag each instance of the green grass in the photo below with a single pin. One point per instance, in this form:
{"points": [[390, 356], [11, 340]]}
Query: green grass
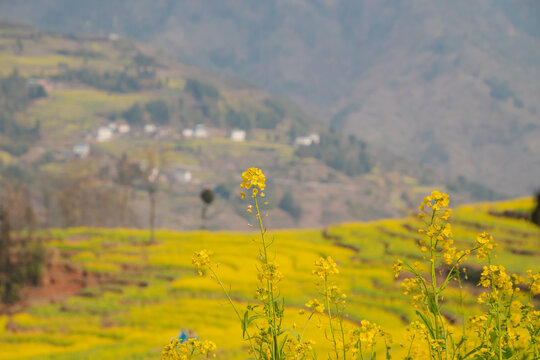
{"points": [[159, 292], [71, 111]]}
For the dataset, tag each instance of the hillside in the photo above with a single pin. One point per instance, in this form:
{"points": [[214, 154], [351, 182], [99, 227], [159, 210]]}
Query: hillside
{"points": [[453, 84], [87, 119], [110, 294]]}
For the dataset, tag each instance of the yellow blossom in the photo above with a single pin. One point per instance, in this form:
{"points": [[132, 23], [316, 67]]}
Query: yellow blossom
{"points": [[398, 266], [325, 267], [315, 305], [485, 244], [270, 272], [201, 259], [253, 178]]}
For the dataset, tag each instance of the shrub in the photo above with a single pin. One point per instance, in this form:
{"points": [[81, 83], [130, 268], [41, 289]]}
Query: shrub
{"points": [[200, 90], [134, 115], [159, 111]]}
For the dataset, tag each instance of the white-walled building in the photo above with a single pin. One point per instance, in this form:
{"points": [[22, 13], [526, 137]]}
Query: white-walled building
{"points": [[113, 126], [187, 133], [307, 140], [200, 131], [238, 135], [315, 138], [150, 129], [184, 176], [124, 128], [104, 133], [81, 150], [303, 141]]}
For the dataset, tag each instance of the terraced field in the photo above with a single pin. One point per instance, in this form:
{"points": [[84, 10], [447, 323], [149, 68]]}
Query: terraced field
{"points": [[120, 297]]}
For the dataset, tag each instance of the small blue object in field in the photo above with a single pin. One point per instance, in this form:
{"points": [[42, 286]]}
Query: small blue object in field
{"points": [[186, 334]]}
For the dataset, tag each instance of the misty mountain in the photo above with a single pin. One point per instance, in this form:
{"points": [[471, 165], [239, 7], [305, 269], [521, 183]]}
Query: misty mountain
{"points": [[454, 84]]}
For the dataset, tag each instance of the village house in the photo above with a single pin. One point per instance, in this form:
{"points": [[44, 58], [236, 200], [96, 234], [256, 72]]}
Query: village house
{"points": [[45, 83], [124, 128], [303, 141], [81, 150], [104, 133], [238, 135], [113, 126], [307, 140], [200, 131], [182, 176], [187, 133], [315, 138], [114, 37], [150, 129]]}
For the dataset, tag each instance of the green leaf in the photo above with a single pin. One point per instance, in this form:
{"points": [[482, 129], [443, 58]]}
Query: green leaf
{"points": [[428, 325]]}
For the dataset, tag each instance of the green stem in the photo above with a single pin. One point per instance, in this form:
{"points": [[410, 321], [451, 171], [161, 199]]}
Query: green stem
{"points": [[410, 347], [340, 319], [434, 280], [330, 315], [233, 306], [270, 285], [462, 310]]}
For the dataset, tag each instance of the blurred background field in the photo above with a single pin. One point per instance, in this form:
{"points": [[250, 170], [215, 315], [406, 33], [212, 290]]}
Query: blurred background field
{"points": [[115, 295]]}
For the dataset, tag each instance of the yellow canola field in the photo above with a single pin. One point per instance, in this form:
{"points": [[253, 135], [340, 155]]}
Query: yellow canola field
{"points": [[147, 291]]}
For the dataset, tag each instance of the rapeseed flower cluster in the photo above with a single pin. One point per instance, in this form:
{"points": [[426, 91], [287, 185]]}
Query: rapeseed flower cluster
{"points": [[325, 267], [485, 244], [295, 350], [364, 338], [201, 260], [435, 201], [507, 326], [417, 340], [270, 272], [189, 349], [316, 306], [534, 282], [254, 179]]}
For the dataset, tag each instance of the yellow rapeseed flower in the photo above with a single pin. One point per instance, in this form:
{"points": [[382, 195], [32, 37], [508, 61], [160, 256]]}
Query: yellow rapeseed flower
{"points": [[201, 260], [436, 201], [253, 178], [315, 305], [397, 267], [485, 245], [325, 267]]}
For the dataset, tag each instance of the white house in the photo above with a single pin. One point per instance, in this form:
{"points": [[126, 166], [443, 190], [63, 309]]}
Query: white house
{"points": [[187, 133], [200, 131], [309, 140], [124, 128], [184, 176], [238, 135], [150, 129], [104, 133], [315, 138], [114, 37], [303, 141], [81, 150]]}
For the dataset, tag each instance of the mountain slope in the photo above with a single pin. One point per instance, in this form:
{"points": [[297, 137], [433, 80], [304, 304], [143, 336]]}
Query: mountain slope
{"points": [[453, 84], [68, 96]]}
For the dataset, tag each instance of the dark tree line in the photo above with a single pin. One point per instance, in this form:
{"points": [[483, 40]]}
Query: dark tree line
{"points": [[15, 96], [348, 155]]}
